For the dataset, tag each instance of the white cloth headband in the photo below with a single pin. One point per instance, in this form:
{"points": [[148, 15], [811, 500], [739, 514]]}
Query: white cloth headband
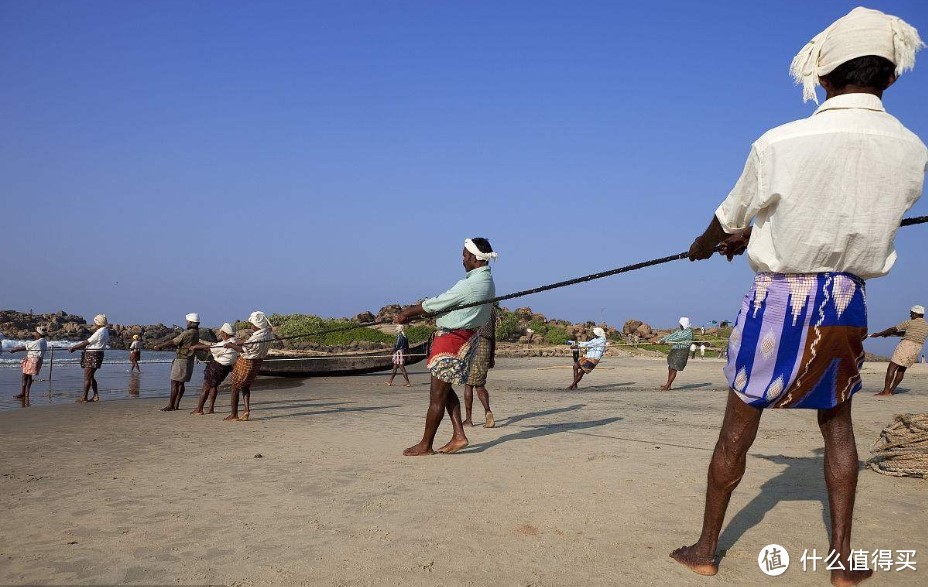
{"points": [[481, 256], [860, 32]]}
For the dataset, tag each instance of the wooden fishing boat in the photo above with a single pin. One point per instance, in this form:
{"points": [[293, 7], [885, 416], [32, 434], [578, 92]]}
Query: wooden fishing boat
{"points": [[330, 366]]}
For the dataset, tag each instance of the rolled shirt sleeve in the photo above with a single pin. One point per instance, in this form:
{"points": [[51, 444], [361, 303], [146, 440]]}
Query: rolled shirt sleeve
{"points": [[746, 198], [450, 299]]}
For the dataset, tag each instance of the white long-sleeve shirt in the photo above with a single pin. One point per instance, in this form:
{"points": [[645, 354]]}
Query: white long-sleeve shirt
{"points": [[827, 192]]}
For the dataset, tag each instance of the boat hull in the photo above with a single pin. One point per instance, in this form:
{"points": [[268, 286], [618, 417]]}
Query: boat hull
{"points": [[322, 366]]}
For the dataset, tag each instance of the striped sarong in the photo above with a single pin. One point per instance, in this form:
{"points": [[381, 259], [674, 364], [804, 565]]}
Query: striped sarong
{"points": [[798, 341], [452, 354]]}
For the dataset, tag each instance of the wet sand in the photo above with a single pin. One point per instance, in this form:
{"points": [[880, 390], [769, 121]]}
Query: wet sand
{"points": [[593, 487]]}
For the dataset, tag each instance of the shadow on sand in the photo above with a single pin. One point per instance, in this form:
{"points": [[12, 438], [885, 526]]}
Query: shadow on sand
{"points": [[540, 430], [513, 419], [322, 412], [802, 480]]}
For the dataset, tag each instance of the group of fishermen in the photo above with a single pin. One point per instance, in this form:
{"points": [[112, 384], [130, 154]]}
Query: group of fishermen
{"points": [[799, 210]]}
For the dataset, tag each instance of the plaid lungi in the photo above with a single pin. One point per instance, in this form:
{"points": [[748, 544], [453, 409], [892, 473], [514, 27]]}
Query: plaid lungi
{"points": [[798, 341], [477, 376], [244, 372], [31, 365], [452, 354], [399, 358], [215, 373]]}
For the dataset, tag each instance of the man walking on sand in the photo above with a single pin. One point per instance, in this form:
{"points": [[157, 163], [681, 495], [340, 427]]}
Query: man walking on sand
{"points": [[453, 347], [798, 340], [913, 331]]}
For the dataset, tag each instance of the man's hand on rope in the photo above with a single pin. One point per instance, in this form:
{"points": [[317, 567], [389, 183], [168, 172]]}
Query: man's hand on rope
{"points": [[736, 244]]}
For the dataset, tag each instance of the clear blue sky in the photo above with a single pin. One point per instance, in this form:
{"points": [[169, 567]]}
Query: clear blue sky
{"points": [[158, 158]]}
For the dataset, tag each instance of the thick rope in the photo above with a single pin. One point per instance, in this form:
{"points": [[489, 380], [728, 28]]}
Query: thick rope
{"points": [[902, 449]]}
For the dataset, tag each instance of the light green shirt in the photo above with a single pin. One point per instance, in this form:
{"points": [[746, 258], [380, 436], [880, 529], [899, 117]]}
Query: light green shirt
{"points": [[476, 286]]}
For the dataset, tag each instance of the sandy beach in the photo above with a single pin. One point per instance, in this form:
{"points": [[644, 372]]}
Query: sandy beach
{"points": [[593, 487]]}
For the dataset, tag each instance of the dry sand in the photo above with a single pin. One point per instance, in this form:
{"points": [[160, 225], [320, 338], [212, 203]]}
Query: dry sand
{"points": [[593, 487]]}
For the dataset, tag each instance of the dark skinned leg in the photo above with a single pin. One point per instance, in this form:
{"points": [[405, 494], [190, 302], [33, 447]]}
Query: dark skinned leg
{"points": [[578, 375], [739, 428], [671, 375], [87, 375], [170, 406], [93, 385], [405, 375], [900, 373], [234, 400], [246, 400], [841, 480], [181, 388], [438, 396], [212, 399], [888, 380], [22, 392], [27, 387], [204, 392], [392, 375], [484, 396], [458, 438], [468, 404]]}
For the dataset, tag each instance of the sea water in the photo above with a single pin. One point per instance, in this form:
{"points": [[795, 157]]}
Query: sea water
{"points": [[114, 381]]}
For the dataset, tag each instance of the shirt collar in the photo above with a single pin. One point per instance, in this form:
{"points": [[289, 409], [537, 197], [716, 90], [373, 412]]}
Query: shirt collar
{"points": [[473, 272], [856, 100]]}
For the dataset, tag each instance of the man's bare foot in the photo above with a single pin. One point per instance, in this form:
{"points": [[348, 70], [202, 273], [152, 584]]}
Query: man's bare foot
{"points": [[454, 445], [83, 400], [665, 388], [197, 412], [699, 563], [95, 398], [167, 409], [408, 385], [884, 392], [19, 396], [244, 417], [418, 450], [468, 422], [390, 383], [571, 387], [211, 412], [231, 418], [491, 423], [847, 578]]}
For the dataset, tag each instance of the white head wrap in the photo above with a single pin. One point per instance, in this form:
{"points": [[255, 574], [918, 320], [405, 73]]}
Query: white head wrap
{"points": [[259, 319], [41, 330], [227, 328], [399, 328], [193, 317], [684, 322], [100, 319], [135, 337], [860, 32], [599, 332], [919, 310], [481, 256]]}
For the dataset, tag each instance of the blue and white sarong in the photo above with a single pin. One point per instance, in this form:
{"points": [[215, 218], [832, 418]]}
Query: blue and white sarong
{"points": [[798, 341]]}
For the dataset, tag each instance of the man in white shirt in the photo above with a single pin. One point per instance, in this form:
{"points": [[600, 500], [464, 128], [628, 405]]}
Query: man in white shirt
{"points": [[248, 363], [223, 359], [92, 355], [826, 195], [32, 362]]}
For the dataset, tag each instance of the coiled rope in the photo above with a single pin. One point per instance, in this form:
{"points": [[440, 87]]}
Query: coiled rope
{"points": [[902, 448]]}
